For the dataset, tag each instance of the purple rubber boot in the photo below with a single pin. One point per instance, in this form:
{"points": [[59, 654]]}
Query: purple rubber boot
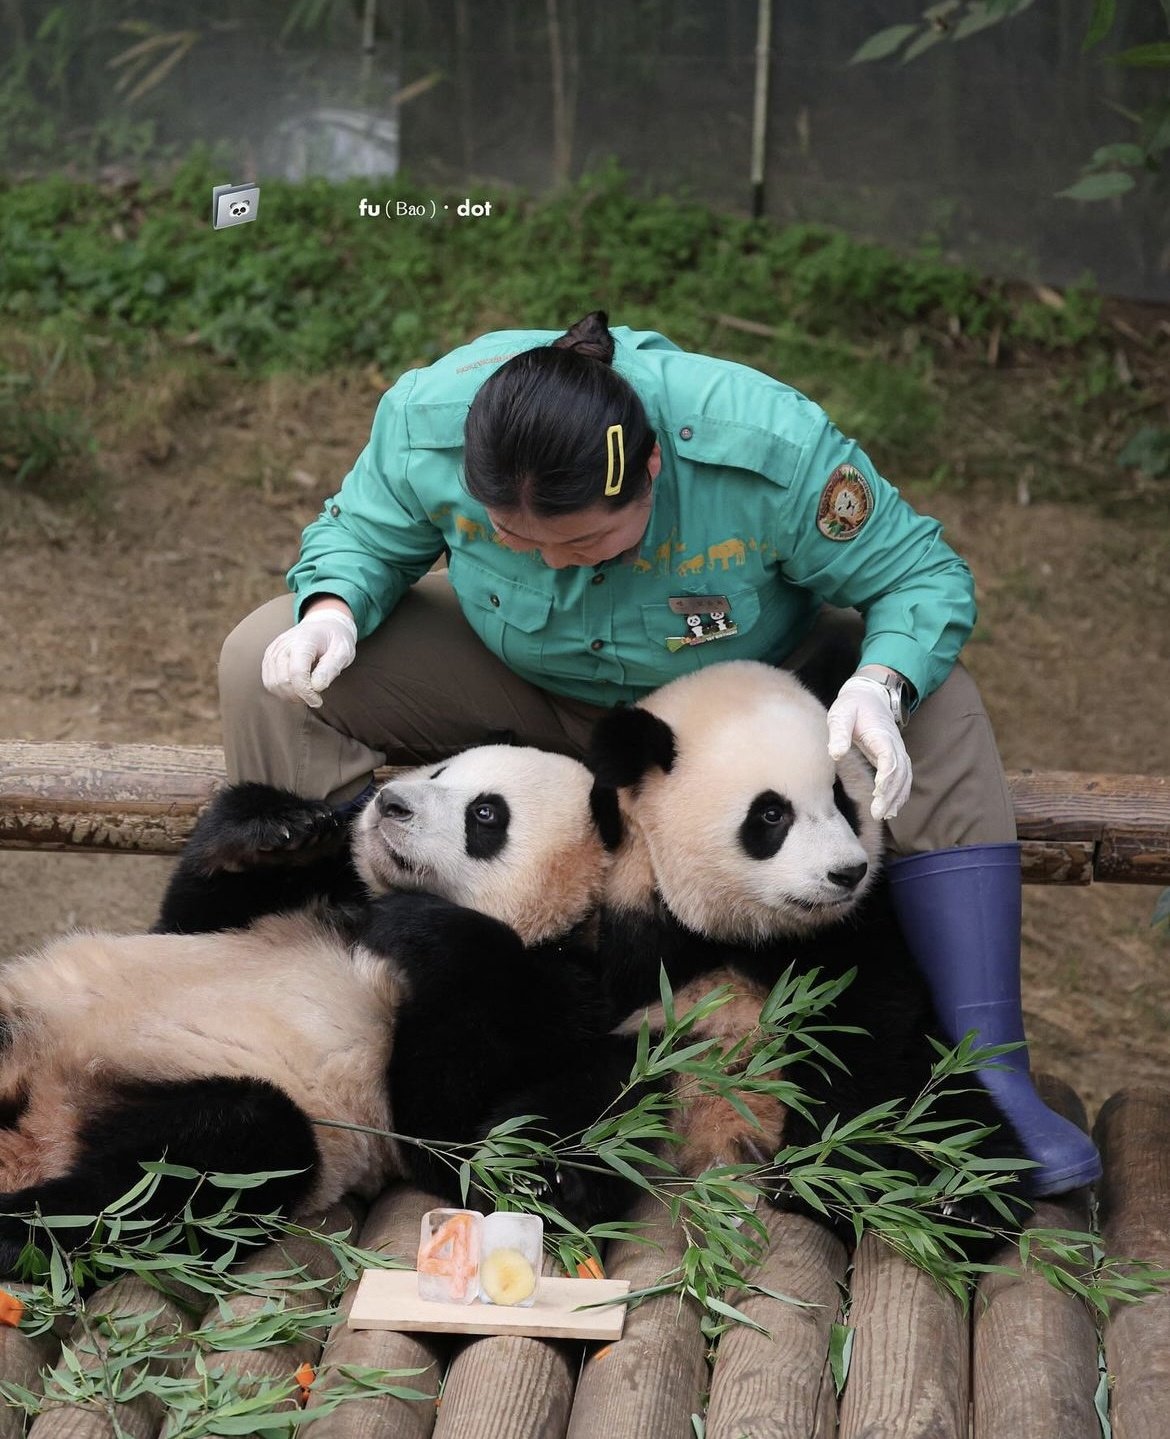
{"points": [[960, 914]]}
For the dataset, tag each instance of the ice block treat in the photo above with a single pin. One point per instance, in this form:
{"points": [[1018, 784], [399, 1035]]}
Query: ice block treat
{"points": [[509, 1268], [449, 1251]]}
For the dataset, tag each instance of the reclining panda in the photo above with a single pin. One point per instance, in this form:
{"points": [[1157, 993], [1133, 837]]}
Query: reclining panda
{"points": [[424, 974], [740, 848]]}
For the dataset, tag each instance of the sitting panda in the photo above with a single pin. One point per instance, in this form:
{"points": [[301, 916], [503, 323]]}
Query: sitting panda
{"points": [[740, 848], [421, 968]]}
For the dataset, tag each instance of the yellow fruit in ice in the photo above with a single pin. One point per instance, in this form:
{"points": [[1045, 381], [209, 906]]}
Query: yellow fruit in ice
{"points": [[506, 1277]]}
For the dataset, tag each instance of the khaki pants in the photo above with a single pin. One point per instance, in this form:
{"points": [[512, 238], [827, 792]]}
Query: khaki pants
{"points": [[423, 686]]}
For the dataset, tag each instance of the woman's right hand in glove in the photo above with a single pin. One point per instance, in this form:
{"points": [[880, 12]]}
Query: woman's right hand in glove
{"points": [[305, 660]]}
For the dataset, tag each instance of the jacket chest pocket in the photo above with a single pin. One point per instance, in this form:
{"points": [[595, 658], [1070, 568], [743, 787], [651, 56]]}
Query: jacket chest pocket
{"points": [[499, 609]]}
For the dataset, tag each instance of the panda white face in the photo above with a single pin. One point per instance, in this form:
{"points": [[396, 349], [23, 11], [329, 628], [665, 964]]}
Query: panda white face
{"points": [[754, 832], [502, 829]]}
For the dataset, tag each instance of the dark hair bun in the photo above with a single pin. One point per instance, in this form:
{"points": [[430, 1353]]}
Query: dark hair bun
{"points": [[589, 337]]}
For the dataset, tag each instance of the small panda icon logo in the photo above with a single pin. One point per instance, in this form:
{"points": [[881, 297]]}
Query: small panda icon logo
{"points": [[234, 205]]}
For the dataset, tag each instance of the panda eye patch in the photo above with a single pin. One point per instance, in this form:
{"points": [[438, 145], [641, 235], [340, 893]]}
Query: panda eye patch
{"points": [[486, 822], [764, 830]]}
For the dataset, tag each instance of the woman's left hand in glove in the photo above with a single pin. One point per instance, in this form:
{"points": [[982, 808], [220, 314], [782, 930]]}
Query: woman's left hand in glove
{"points": [[862, 715]]}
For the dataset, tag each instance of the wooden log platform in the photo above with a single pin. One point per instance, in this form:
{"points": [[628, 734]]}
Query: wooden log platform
{"points": [[144, 799], [1022, 1360]]}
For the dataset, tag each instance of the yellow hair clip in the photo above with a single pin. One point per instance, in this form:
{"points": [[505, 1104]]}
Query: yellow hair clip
{"points": [[615, 453]]}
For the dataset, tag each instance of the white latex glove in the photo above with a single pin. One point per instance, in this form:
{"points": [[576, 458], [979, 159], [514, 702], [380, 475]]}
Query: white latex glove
{"points": [[861, 715], [305, 660]]}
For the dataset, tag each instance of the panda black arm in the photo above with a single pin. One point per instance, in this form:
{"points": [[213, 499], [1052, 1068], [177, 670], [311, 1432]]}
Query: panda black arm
{"points": [[257, 850], [434, 940], [468, 975], [488, 1029]]}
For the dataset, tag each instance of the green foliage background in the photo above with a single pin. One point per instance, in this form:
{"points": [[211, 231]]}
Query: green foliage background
{"points": [[100, 283], [310, 287]]}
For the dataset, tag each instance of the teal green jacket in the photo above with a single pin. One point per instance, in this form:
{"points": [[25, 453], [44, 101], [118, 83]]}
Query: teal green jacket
{"points": [[760, 502]]}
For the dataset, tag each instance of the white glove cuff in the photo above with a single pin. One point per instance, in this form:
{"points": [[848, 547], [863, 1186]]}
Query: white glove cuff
{"points": [[889, 697], [327, 611]]}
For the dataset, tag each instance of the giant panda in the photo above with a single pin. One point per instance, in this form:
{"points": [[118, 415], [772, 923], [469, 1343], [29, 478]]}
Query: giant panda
{"points": [[421, 969], [740, 848]]}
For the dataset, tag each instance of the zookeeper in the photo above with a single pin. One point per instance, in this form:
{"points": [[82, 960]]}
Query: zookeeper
{"points": [[614, 512]]}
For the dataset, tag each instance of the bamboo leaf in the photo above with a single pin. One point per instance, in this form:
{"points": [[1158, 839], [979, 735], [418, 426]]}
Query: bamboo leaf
{"points": [[982, 14], [135, 52], [666, 994], [785, 1298], [170, 1171], [730, 1312], [249, 1181], [1099, 187], [1104, 13], [840, 1354], [883, 44], [1153, 56], [510, 1126], [627, 1171], [1122, 153], [926, 41], [162, 69]]}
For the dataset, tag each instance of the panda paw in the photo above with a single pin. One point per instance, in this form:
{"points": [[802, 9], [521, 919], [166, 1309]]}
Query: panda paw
{"points": [[251, 825], [715, 1134], [984, 1219], [584, 1199]]}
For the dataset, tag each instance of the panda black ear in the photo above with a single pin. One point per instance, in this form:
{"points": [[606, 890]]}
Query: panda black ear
{"points": [[626, 743], [607, 816]]}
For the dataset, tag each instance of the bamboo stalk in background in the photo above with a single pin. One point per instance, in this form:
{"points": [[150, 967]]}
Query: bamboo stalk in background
{"points": [[760, 104], [564, 90]]}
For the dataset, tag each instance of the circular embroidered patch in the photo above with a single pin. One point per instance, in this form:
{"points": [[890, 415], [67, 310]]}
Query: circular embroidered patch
{"points": [[846, 503]]}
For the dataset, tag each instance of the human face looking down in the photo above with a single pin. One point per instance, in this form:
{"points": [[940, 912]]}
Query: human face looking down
{"points": [[583, 537]]}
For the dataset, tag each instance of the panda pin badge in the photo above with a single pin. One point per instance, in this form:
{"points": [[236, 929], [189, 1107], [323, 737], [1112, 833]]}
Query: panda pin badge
{"points": [[707, 617]]}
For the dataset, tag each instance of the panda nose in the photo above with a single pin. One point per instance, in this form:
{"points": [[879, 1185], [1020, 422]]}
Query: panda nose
{"points": [[849, 878], [390, 805]]}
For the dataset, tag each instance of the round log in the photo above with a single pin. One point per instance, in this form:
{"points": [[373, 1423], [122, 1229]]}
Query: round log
{"points": [[391, 1228], [145, 799], [909, 1373], [21, 1360], [652, 1379], [507, 1386], [1035, 1353], [1133, 1132], [777, 1385], [139, 1418], [139, 798]]}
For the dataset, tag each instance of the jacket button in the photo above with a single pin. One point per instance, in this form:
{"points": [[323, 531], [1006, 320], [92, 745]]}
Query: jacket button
{"points": [[598, 579], [495, 601], [686, 433], [334, 510], [597, 644]]}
